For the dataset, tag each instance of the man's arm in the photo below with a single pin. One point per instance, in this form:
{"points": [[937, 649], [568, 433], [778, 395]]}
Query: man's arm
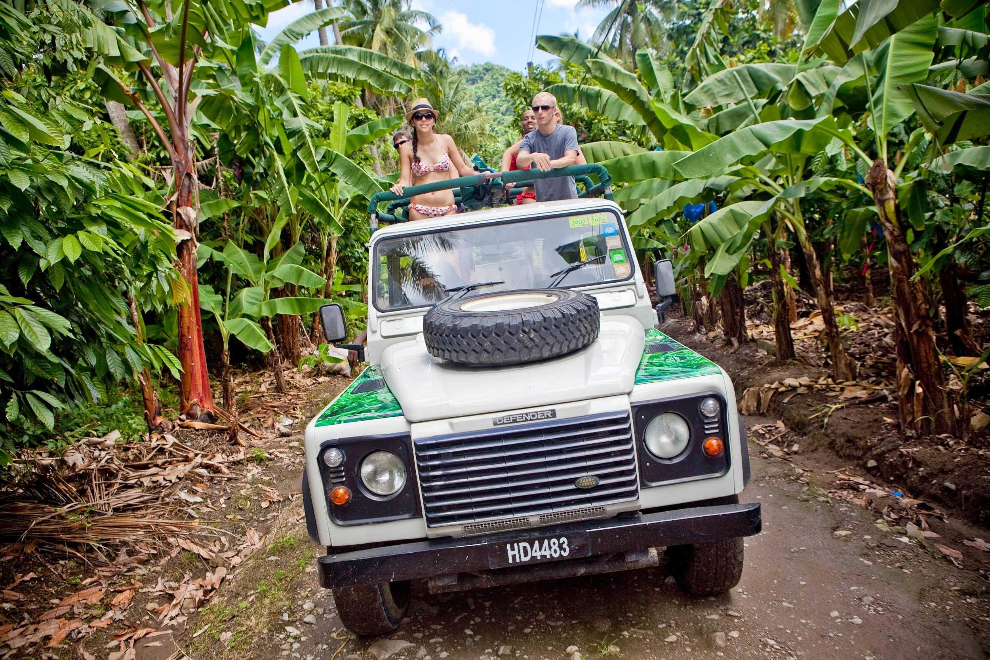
{"points": [[508, 154], [569, 158]]}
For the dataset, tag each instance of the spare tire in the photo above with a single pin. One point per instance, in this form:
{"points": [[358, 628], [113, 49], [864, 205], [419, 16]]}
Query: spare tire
{"points": [[511, 327]]}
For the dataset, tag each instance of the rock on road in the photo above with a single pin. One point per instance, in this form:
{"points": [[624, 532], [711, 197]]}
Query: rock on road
{"points": [[806, 592]]}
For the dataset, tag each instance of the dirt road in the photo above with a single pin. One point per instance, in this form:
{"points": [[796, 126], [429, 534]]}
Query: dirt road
{"points": [[821, 581]]}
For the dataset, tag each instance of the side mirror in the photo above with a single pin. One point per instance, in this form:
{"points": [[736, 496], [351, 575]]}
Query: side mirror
{"points": [[334, 327], [663, 277]]}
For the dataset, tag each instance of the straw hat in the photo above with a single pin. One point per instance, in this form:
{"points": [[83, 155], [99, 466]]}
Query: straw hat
{"points": [[421, 104]]}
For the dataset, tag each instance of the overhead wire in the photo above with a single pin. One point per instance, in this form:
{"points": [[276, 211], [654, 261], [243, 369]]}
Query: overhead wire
{"points": [[537, 17]]}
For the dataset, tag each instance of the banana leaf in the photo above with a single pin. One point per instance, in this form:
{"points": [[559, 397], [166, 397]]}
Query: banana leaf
{"points": [[341, 67], [627, 87], [597, 152], [598, 100], [299, 28], [568, 49], [758, 80], [951, 116], [738, 116], [648, 165], [866, 25], [249, 333], [905, 59], [371, 131], [973, 158], [786, 136], [729, 230], [671, 201]]}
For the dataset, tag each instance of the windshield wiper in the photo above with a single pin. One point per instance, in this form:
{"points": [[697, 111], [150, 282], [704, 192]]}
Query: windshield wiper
{"points": [[461, 290], [561, 274]]}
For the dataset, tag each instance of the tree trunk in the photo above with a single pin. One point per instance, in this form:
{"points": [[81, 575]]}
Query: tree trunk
{"points": [[196, 397], [152, 407], [842, 367], [789, 294], [318, 5], [273, 357], [118, 117], [781, 319], [733, 311], [868, 298], [329, 272], [229, 397], [957, 325], [923, 397], [288, 331]]}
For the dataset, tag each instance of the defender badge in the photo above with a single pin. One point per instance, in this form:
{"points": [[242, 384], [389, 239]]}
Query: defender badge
{"points": [[518, 418], [589, 481]]}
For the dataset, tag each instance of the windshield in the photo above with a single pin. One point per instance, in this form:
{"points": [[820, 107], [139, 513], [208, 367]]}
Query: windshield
{"points": [[422, 269]]}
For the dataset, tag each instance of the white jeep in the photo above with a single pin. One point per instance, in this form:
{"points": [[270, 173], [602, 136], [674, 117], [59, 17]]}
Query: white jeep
{"points": [[521, 418]]}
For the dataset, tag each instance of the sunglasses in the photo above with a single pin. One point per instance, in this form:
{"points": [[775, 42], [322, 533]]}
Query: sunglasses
{"points": [[423, 115], [399, 144], [544, 108]]}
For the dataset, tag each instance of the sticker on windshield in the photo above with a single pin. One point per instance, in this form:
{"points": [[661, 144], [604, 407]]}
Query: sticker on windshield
{"points": [[593, 219], [610, 230], [613, 242], [617, 256], [621, 270]]}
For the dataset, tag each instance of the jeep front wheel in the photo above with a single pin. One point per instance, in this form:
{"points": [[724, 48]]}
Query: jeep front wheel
{"points": [[707, 569], [371, 610]]}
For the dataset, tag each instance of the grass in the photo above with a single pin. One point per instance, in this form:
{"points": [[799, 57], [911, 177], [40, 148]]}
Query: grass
{"points": [[259, 456], [264, 589]]}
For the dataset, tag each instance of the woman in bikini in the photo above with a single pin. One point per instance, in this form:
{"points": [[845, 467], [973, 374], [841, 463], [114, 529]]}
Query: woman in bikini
{"points": [[427, 158]]}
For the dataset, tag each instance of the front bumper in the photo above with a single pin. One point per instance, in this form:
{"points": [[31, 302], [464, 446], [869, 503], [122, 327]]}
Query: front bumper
{"points": [[630, 532]]}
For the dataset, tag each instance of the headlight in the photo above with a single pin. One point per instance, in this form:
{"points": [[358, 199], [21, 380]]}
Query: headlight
{"points": [[709, 407], [383, 473], [333, 457], [667, 435]]}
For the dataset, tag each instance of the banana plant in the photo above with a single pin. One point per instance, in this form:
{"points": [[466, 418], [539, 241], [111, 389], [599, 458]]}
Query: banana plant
{"points": [[248, 315]]}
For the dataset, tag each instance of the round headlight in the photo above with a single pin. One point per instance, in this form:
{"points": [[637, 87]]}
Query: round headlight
{"points": [[383, 473], [709, 407], [667, 435], [333, 457]]}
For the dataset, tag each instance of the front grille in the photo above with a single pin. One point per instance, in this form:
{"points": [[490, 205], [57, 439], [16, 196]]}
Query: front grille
{"points": [[527, 470]]}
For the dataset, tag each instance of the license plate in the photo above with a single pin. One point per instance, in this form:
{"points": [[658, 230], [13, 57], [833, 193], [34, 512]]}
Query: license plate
{"points": [[552, 547]]}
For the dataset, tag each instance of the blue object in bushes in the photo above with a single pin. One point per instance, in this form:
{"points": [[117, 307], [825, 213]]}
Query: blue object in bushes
{"points": [[694, 212], [712, 207]]}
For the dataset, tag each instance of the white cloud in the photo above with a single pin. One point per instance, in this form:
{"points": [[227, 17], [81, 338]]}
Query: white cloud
{"points": [[467, 35], [568, 4]]}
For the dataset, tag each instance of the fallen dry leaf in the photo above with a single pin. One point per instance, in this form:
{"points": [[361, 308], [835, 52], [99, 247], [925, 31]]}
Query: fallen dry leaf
{"points": [[65, 627], [978, 543], [55, 612], [122, 600], [954, 555], [89, 596], [186, 544], [192, 499]]}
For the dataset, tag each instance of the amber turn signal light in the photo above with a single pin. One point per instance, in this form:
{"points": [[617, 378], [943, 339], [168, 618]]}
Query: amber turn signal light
{"points": [[714, 447], [340, 495]]}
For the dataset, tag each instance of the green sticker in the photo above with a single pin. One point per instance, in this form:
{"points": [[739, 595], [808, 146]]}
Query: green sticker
{"points": [[670, 360], [617, 256], [371, 403], [590, 220]]}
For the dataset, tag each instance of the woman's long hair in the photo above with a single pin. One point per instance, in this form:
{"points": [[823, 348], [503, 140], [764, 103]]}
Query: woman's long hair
{"points": [[415, 141]]}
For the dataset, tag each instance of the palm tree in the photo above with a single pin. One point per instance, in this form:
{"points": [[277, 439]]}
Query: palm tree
{"points": [[632, 25], [390, 27]]}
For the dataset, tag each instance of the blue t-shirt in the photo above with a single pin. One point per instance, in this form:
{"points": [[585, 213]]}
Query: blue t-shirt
{"points": [[555, 145]]}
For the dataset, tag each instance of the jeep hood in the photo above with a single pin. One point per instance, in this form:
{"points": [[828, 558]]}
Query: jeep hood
{"points": [[428, 388]]}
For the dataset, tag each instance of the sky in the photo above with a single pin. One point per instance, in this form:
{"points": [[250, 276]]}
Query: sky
{"points": [[475, 32]]}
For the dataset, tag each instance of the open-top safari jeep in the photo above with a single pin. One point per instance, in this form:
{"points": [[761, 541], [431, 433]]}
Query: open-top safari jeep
{"points": [[521, 418]]}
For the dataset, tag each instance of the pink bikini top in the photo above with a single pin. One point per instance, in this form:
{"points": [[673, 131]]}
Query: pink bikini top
{"points": [[442, 165]]}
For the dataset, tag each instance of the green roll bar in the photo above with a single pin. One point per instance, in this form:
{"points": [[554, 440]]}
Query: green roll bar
{"points": [[494, 181]]}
